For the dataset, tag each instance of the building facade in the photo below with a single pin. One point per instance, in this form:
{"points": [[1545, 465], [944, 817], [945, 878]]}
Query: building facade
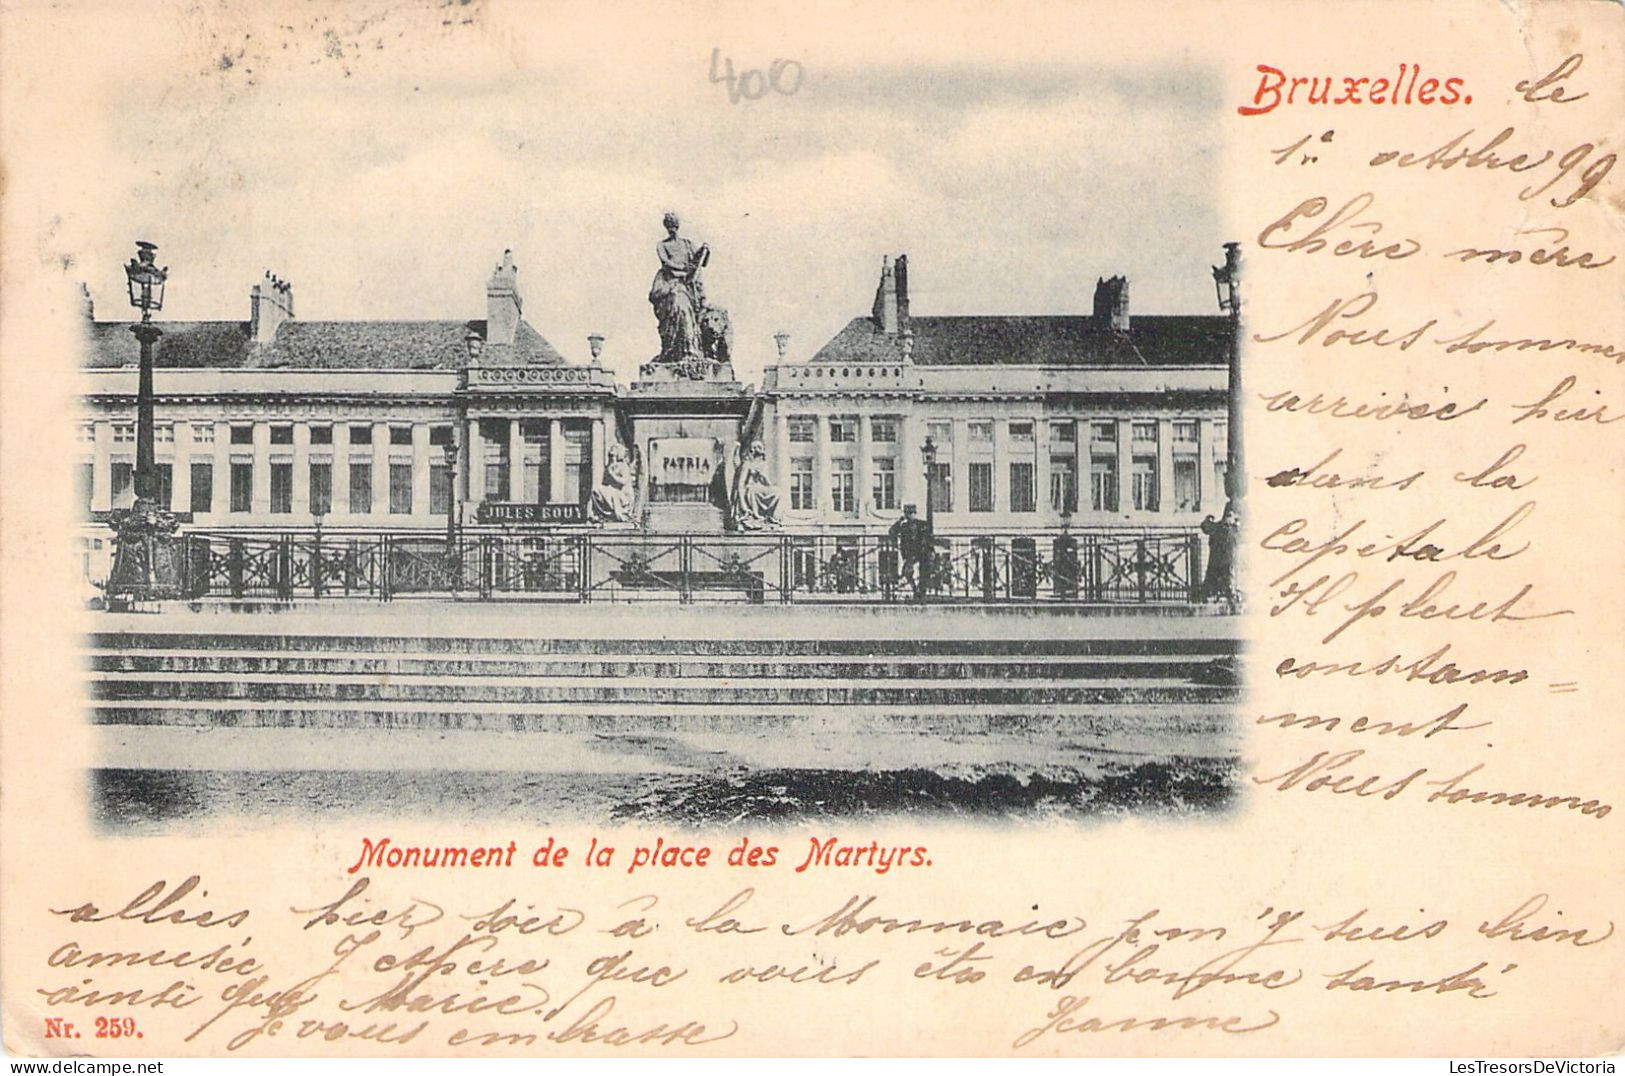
{"points": [[270, 425]]}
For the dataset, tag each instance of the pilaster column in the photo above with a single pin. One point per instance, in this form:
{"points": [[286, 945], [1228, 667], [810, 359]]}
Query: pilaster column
{"points": [[781, 452], [220, 502], [474, 453], [1210, 493], [341, 468], [1125, 465], [910, 466], [1165, 466], [516, 460], [597, 450], [863, 468], [1041, 471], [301, 469], [420, 469], [101, 476], [262, 468], [380, 469], [180, 469], [1002, 458], [822, 501], [556, 493], [959, 453]]}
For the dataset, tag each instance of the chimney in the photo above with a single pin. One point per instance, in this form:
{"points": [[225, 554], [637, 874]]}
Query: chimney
{"points": [[270, 303], [1111, 302], [900, 275], [502, 303], [885, 310]]}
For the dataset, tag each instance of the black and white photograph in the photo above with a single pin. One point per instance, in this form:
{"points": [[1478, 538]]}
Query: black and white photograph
{"points": [[729, 462]]}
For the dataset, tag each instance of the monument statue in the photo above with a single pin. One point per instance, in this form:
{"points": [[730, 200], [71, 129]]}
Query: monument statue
{"points": [[693, 334], [755, 501], [615, 497]]}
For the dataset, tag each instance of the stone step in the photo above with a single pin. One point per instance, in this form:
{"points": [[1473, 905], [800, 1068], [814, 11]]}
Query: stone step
{"points": [[574, 750], [1094, 719], [932, 667], [861, 648], [293, 686]]}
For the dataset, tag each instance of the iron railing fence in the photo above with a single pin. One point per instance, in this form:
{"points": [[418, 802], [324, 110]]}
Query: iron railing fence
{"points": [[1088, 567]]}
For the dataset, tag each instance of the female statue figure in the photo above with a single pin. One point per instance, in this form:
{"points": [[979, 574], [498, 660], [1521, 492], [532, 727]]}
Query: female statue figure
{"points": [[755, 501], [678, 296], [612, 501]]}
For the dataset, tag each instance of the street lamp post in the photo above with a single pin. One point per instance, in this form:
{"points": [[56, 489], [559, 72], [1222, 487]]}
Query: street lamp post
{"points": [[1227, 283], [928, 456], [1224, 534], [146, 563]]}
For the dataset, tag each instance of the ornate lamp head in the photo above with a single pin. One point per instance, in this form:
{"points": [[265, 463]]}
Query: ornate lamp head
{"points": [[145, 279], [1227, 279]]}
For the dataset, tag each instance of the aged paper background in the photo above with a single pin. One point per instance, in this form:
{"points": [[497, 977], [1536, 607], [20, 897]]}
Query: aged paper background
{"points": [[1327, 828]]}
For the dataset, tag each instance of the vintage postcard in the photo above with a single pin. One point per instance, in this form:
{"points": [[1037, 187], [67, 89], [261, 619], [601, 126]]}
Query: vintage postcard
{"points": [[1054, 529]]}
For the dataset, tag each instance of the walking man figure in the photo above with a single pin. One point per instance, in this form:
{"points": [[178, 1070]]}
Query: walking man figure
{"points": [[913, 537]]}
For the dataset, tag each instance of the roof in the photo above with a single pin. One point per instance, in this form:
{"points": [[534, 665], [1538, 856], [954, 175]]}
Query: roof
{"points": [[1059, 340], [326, 345]]}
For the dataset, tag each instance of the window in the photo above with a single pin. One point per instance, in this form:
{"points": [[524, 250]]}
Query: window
{"points": [[166, 484], [981, 487], [1185, 431], [883, 429], [282, 435], [1103, 432], [841, 492], [843, 429], [1063, 432], [1144, 487], [242, 435], [1187, 484], [1103, 483], [535, 464], [577, 474], [242, 487], [980, 431], [361, 435], [86, 433], [801, 484], [1063, 484], [203, 433], [802, 428], [885, 479], [440, 436], [1022, 497], [123, 483], [123, 433], [494, 451], [940, 431], [940, 487], [321, 435], [321, 488], [400, 435], [202, 487], [439, 489], [1021, 431], [400, 489], [281, 488], [87, 484], [1221, 474], [1145, 433], [360, 488], [163, 434]]}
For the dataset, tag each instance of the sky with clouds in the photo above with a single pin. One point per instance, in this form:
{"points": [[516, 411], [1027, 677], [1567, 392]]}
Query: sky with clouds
{"points": [[381, 158]]}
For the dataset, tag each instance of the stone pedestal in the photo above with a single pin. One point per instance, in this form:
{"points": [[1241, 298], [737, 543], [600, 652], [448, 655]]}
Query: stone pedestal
{"points": [[686, 432]]}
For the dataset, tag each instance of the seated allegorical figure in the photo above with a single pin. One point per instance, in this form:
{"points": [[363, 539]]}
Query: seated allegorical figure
{"points": [[613, 499], [755, 498]]}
